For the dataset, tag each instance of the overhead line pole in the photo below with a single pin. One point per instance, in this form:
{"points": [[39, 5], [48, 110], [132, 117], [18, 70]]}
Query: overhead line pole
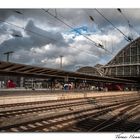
{"points": [[8, 54]]}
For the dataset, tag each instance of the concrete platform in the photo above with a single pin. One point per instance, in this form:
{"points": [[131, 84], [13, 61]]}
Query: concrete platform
{"points": [[12, 97]]}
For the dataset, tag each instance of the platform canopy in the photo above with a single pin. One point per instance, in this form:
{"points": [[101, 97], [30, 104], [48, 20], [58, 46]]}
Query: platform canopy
{"points": [[14, 69]]}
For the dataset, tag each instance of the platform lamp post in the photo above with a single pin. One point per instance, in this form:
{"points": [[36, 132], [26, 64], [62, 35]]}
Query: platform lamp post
{"points": [[7, 55]]}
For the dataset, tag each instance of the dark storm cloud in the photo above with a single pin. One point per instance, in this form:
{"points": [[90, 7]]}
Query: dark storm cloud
{"points": [[36, 38], [45, 38], [82, 17], [75, 16], [117, 18], [16, 33], [37, 14], [5, 13], [78, 17], [15, 44]]}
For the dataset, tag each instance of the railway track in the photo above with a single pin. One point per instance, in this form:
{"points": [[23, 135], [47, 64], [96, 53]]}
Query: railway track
{"points": [[118, 121], [46, 106], [108, 97], [110, 124], [123, 124], [64, 114]]}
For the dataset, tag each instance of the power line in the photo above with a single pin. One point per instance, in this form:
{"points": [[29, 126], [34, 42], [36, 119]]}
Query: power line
{"points": [[18, 12], [95, 44], [85, 51], [40, 35], [126, 37], [76, 29], [129, 25], [92, 19], [99, 45], [120, 11], [33, 32], [88, 52], [127, 20]]}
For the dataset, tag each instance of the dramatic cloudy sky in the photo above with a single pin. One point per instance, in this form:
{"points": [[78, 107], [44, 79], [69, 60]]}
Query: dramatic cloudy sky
{"points": [[38, 38]]}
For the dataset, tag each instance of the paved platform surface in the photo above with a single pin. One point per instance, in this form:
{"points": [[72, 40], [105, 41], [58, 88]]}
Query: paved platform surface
{"points": [[12, 97]]}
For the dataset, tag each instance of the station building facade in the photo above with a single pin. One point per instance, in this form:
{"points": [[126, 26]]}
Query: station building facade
{"points": [[126, 64]]}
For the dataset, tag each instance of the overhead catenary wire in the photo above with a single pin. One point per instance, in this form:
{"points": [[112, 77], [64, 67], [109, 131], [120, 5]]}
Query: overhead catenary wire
{"points": [[88, 52], [94, 37], [70, 27], [92, 19], [9, 33], [120, 11], [127, 20], [99, 45], [33, 32], [18, 12], [85, 51], [129, 25], [125, 36], [95, 44], [40, 35]]}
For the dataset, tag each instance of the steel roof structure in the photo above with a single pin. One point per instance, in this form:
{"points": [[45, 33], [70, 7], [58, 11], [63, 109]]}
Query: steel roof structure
{"points": [[126, 63], [90, 70], [14, 69]]}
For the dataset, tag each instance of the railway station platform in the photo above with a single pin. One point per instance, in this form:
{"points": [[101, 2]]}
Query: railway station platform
{"points": [[23, 96]]}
